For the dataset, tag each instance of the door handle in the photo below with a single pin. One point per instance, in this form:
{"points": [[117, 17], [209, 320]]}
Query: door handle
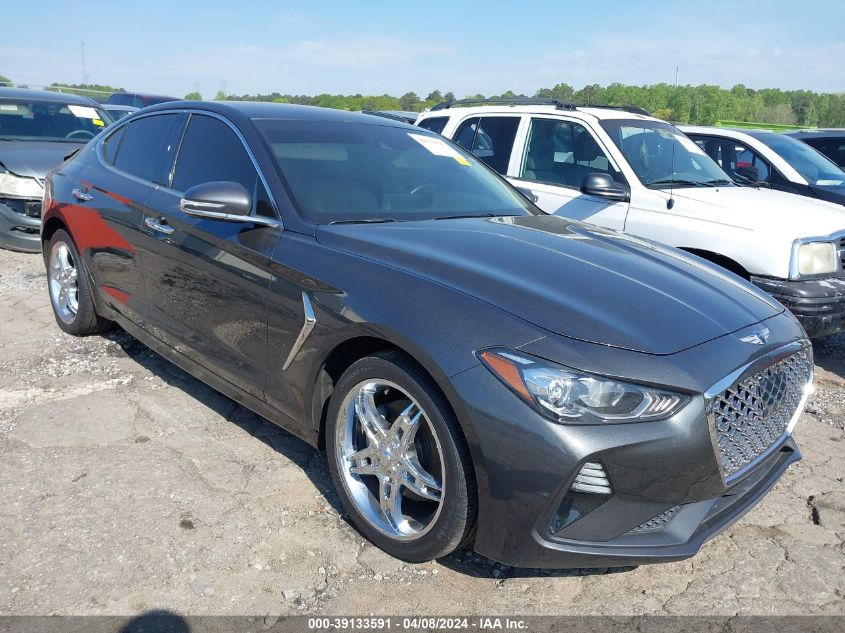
{"points": [[81, 195], [160, 225]]}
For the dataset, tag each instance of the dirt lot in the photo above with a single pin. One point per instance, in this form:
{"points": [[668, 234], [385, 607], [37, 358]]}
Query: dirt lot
{"points": [[126, 485]]}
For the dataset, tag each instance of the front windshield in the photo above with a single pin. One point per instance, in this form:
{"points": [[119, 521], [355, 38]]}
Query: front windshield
{"points": [[353, 172], [662, 156], [33, 120], [813, 166]]}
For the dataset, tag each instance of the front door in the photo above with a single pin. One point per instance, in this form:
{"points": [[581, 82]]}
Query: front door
{"points": [[557, 155], [208, 280]]}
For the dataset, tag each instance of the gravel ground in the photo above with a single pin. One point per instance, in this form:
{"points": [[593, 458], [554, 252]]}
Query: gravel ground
{"points": [[126, 485]]}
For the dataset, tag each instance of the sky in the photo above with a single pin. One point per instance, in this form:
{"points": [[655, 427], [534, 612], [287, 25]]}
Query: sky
{"points": [[324, 46]]}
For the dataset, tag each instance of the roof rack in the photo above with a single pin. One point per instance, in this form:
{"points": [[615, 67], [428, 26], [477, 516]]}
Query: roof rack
{"points": [[623, 108], [557, 103], [511, 101]]}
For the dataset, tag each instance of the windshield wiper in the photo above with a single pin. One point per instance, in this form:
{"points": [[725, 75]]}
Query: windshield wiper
{"points": [[678, 181], [467, 215], [364, 221], [715, 182]]}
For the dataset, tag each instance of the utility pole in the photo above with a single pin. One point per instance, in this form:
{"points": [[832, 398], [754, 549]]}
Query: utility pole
{"points": [[84, 65]]}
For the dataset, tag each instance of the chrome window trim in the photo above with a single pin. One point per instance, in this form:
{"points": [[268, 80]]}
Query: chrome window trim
{"points": [[833, 238], [308, 324], [737, 376], [99, 151]]}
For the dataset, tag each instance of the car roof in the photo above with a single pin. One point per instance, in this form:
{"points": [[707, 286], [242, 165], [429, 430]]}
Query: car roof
{"points": [[44, 95], [269, 110], [712, 130], [819, 133], [597, 112]]}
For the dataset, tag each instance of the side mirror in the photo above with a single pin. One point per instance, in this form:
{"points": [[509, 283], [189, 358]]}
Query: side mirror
{"points": [[603, 186], [748, 174], [527, 193], [218, 200]]}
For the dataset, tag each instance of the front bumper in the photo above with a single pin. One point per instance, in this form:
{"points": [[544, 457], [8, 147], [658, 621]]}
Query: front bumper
{"points": [[819, 304], [20, 225], [526, 465]]}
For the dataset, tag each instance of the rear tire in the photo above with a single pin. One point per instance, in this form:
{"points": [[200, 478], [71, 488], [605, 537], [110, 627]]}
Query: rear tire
{"points": [[71, 294], [404, 474]]}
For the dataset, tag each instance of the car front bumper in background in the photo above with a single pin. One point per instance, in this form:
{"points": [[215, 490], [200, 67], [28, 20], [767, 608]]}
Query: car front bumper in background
{"points": [[20, 224], [666, 491], [819, 304]]}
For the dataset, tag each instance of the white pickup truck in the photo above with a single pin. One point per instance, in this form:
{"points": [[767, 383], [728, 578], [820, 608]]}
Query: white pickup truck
{"points": [[620, 168]]}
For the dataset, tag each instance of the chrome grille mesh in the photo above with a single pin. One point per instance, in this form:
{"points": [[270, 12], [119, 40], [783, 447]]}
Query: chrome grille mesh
{"points": [[752, 415], [657, 523]]}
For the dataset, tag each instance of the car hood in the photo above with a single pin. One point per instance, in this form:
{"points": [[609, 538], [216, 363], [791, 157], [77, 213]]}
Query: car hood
{"points": [[573, 279], [34, 159], [760, 208]]}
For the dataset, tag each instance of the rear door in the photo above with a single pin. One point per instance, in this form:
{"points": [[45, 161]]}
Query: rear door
{"points": [[557, 154], [208, 280], [111, 207]]}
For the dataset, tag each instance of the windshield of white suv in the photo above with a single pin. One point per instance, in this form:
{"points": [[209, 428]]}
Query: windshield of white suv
{"points": [[662, 156], [364, 172], [813, 166], [34, 120]]}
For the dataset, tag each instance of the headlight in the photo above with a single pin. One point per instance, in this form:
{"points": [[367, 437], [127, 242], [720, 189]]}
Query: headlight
{"points": [[569, 396], [11, 185], [816, 258]]}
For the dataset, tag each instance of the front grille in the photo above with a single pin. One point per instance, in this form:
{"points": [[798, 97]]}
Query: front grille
{"points": [[750, 417], [657, 523], [31, 208]]}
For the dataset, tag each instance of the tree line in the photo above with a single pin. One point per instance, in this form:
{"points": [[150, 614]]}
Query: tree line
{"points": [[702, 105]]}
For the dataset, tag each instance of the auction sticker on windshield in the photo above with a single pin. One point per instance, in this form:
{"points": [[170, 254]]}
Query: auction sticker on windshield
{"points": [[83, 112], [438, 147]]}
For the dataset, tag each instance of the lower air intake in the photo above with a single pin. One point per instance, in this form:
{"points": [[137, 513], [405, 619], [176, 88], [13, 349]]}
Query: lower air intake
{"points": [[592, 479]]}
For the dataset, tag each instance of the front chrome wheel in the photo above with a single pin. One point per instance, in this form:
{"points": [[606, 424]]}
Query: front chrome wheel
{"points": [[390, 459], [64, 282]]}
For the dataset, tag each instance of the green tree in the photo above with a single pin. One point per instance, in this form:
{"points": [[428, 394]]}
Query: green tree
{"points": [[5, 81], [193, 96], [409, 101], [435, 96], [220, 96]]}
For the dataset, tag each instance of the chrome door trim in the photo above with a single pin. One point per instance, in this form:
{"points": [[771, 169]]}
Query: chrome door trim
{"points": [[307, 326]]}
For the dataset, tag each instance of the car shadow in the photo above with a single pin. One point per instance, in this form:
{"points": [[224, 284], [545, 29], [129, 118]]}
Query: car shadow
{"points": [[310, 460], [829, 354]]}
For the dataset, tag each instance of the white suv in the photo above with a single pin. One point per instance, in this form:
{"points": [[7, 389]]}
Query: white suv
{"points": [[619, 168]]}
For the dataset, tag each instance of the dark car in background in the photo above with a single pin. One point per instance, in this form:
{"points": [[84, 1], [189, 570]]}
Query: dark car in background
{"points": [[38, 129], [831, 142], [137, 99], [553, 393], [118, 111]]}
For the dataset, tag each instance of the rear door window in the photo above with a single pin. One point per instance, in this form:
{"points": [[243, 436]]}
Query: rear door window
{"points": [[490, 138], [435, 124], [148, 147]]}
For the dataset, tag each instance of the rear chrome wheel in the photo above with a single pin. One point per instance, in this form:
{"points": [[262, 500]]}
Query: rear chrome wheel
{"points": [[64, 282], [390, 459], [70, 288], [399, 460]]}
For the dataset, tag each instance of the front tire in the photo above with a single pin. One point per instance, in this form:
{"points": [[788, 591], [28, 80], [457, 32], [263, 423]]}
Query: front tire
{"points": [[70, 289], [399, 460]]}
